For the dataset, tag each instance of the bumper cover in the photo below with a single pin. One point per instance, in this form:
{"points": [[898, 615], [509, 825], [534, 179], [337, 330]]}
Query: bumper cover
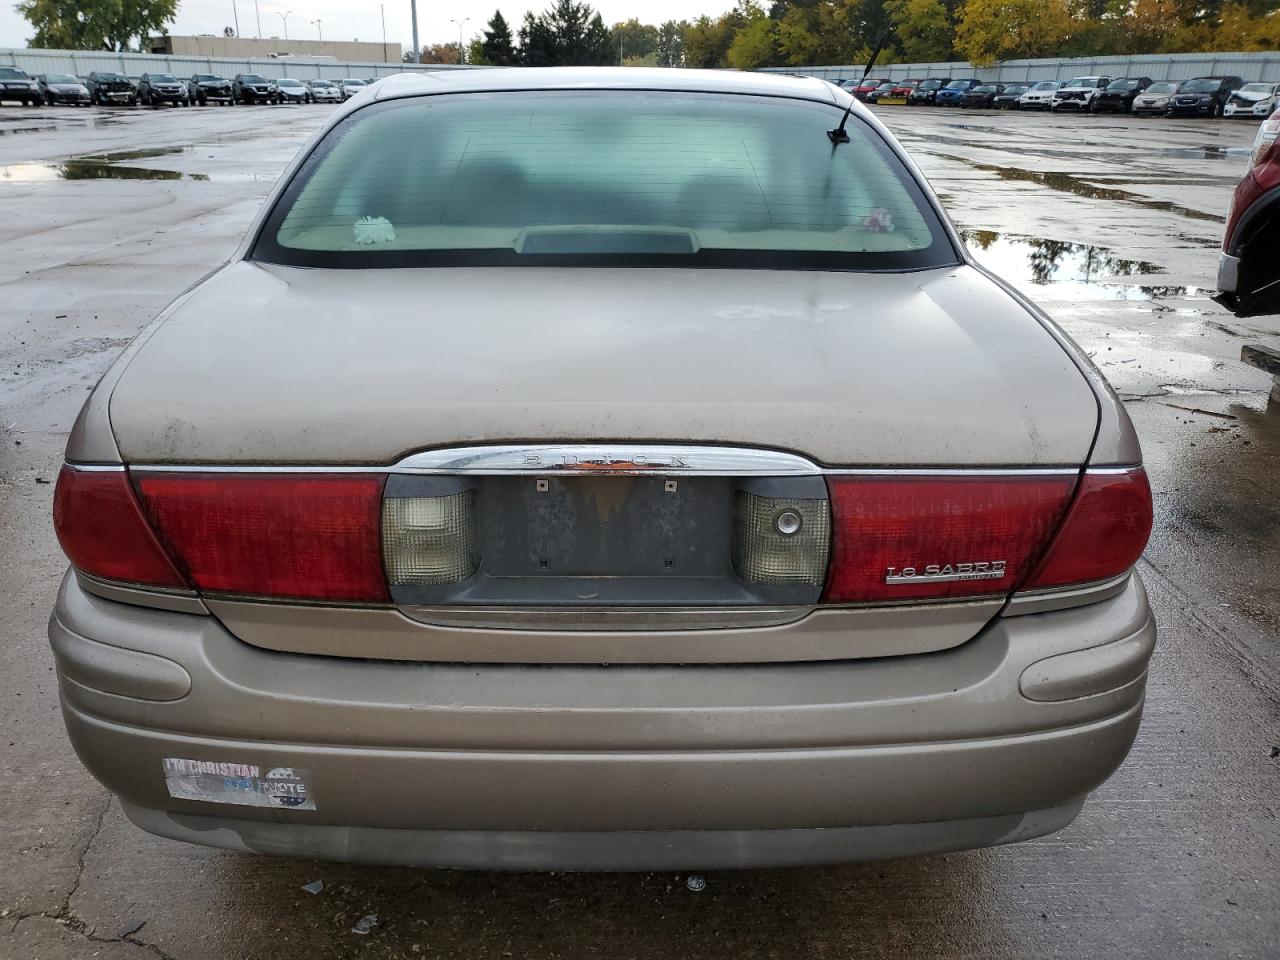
{"points": [[626, 767]]}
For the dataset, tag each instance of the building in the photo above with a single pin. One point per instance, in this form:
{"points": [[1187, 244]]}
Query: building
{"points": [[249, 47]]}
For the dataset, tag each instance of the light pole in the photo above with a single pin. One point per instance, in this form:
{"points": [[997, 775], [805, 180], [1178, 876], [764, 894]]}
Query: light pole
{"points": [[257, 16], [413, 14], [285, 17], [382, 8], [461, 56], [235, 15], [319, 32]]}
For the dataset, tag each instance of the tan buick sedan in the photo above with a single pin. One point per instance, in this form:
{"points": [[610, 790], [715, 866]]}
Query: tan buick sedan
{"points": [[607, 470]]}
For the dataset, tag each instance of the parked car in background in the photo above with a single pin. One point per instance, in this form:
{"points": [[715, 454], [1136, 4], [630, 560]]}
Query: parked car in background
{"points": [[18, 85], [983, 95], [350, 87], [157, 88], [207, 88], [292, 91], [1039, 95], [953, 92], [253, 88], [107, 87], [1007, 99], [1267, 134], [1203, 96], [864, 87], [1079, 94], [882, 603], [1155, 99], [1249, 268], [1253, 100], [884, 90], [926, 91], [1119, 95], [63, 88], [904, 88], [324, 91]]}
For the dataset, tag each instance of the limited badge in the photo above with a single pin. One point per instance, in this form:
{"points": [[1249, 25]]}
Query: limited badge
{"points": [[244, 784]]}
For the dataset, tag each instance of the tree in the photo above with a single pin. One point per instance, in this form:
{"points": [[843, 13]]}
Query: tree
{"points": [[639, 41], [567, 33], [755, 44], [95, 24], [991, 30], [923, 28], [439, 53], [497, 48], [671, 43]]}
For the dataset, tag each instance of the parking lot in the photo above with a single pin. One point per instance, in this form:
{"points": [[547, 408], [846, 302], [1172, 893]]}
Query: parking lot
{"points": [[1111, 223]]}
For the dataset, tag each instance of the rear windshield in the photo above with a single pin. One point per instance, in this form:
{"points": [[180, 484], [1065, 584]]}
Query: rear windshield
{"points": [[601, 177]]}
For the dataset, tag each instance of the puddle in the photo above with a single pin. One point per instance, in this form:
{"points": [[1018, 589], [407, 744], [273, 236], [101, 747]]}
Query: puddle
{"points": [[82, 170], [5, 131], [1055, 269], [1068, 183]]}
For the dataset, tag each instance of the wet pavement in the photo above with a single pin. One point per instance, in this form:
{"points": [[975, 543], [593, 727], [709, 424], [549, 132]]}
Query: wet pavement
{"points": [[1111, 224]]}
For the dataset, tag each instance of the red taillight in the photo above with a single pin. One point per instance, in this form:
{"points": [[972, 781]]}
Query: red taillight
{"points": [[1104, 532], [927, 537], [309, 536], [103, 532]]}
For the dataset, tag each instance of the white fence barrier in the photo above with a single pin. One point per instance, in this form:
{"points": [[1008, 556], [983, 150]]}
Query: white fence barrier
{"points": [[1162, 66]]}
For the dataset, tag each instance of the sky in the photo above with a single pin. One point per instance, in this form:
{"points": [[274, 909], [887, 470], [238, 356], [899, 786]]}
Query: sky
{"points": [[361, 19]]}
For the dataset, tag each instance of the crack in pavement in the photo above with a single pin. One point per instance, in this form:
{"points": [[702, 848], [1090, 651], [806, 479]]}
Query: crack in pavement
{"points": [[66, 918]]}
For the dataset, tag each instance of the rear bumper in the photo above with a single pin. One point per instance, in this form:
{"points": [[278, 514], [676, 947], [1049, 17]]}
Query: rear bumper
{"points": [[626, 767]]}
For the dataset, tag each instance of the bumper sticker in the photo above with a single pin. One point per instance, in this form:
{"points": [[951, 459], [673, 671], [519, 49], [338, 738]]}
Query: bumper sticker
{"points": [[244, 784]]}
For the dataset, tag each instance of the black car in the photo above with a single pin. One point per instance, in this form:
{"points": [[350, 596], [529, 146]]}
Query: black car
{"points": [[927, 92], [1203, 96], [881, 91], [62, 88], [253, 88], [1120, 94], [106, 87], [15, 84], [157, 88], [207, 88], [1007, 99], [982, 96]]}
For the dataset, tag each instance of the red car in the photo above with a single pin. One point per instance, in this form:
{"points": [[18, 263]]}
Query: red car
{"points": [[866, 86], [1249, 269], [903, 88]]}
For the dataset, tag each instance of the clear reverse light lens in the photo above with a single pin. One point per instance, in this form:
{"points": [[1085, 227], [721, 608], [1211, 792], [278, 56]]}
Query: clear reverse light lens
{"points": [[781, 541], [430, 540]]}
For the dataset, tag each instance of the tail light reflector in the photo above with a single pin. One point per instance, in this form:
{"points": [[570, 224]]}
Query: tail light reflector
{"points": [[1104, 533], [936, 537], [103, 532], [309, 536]]}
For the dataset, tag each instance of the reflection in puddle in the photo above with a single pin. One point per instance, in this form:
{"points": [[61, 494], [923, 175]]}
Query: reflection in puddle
{"points": [[1069, 183], [1068, 271], [42, 129], [83, 170]]}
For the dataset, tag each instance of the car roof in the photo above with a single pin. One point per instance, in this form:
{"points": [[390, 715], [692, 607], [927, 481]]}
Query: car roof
{"points": [[607, 78]]}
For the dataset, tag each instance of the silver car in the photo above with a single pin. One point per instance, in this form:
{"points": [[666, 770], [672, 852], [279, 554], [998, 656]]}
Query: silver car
{"points": [[602, 469]]}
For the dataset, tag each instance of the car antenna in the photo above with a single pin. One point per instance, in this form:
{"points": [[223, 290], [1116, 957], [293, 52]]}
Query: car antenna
{"points": [[838, 135]]}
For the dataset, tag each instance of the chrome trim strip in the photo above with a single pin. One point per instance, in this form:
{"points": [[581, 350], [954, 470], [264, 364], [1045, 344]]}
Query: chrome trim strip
{"points": [[614, 459], [570, 619], [1064, 598], [94, 467], [159, 598]]}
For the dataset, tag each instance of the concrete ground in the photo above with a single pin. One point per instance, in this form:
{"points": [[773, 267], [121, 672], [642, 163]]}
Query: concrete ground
{"points": [[1110, 223]]}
